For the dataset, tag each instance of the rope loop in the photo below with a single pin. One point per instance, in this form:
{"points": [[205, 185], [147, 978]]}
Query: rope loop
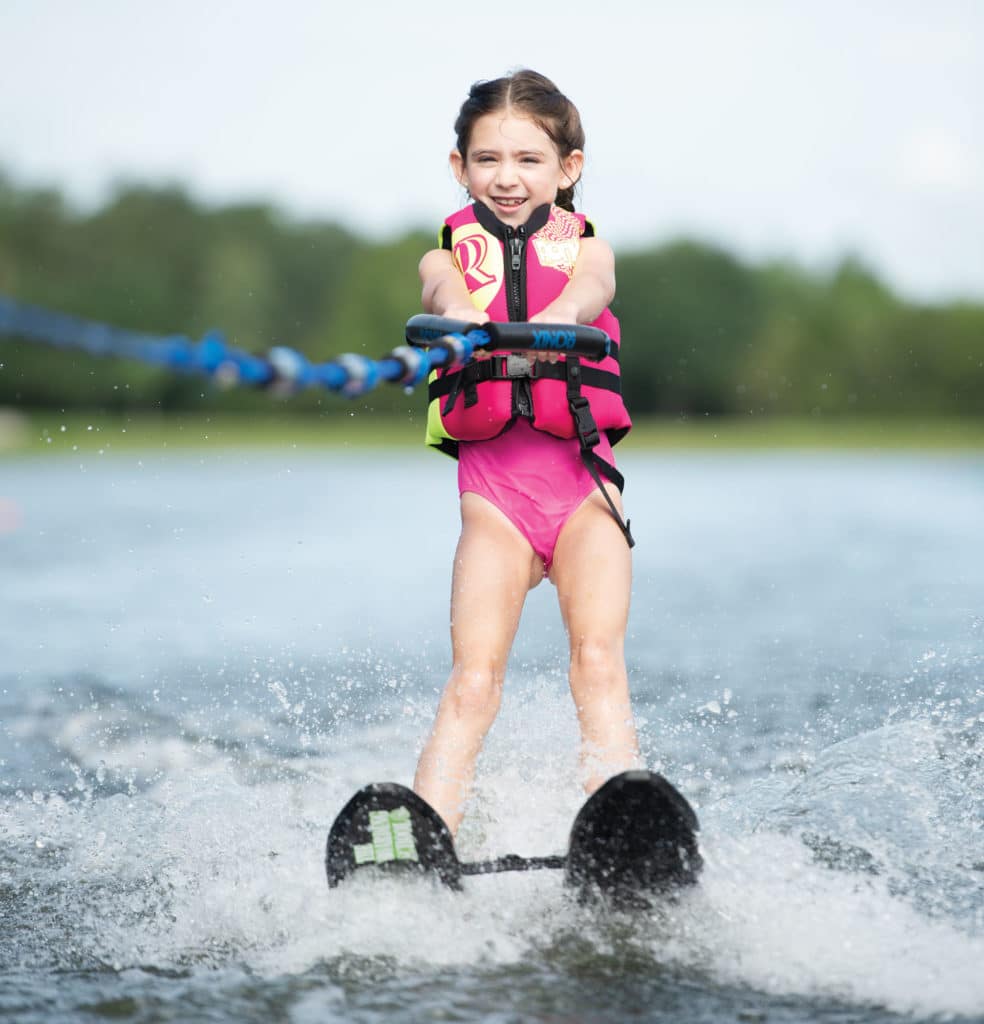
{"points": [[290, 370], [361, 374], [416, 365]]}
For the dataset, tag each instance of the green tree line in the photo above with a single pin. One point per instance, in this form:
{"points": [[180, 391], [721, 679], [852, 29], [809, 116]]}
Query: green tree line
{"points": [[703, 331]]}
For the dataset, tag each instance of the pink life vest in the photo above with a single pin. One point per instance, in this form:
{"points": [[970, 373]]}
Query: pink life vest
{"points": [[512, 274]]}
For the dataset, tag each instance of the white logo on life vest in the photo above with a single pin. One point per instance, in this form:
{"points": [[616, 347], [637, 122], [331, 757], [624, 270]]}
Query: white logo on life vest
{"points": [[553, 339], [557, 243], [559, 254]]}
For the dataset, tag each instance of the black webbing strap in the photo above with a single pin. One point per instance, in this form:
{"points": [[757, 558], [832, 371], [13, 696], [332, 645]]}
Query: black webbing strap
{"points": [[497, 367], [588, 436]]}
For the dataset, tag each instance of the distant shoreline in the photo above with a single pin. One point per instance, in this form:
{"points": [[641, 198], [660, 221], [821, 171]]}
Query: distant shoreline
{"points": [[35, 432]]}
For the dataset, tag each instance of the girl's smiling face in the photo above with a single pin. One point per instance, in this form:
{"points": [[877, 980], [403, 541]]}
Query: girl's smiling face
{"points": [[512, 166]]}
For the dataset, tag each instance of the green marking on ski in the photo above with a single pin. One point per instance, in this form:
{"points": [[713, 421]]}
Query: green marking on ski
{"points": [[392, 838]]}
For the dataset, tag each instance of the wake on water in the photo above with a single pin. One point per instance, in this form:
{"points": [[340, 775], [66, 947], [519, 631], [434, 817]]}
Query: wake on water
{"points": [[184, 839]]}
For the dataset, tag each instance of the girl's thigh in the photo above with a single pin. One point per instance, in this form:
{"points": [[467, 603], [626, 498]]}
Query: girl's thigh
{"points": [[592, 570], [494, 568]]}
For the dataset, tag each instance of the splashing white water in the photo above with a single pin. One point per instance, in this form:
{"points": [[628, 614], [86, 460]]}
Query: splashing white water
{"points": [[214, 855]]}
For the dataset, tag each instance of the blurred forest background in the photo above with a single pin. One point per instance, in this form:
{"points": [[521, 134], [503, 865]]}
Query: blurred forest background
{"points": [[704, 331]]}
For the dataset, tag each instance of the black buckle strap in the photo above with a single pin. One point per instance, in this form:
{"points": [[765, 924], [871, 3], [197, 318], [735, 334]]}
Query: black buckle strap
{"points": [[466, 379], [509, 367], [455, 390], [584, 423], [592, 464], [588, 436]]}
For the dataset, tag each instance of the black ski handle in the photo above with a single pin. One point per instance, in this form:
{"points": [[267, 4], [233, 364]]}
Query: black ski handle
{"points": [[568, 339]]}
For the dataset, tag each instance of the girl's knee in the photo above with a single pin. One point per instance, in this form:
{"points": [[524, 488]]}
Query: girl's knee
{"points": [[474, 692], [598, 656], [597, 675]]}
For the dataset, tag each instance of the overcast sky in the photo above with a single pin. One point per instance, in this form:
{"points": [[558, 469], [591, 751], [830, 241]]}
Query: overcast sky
{"points": [[802, 129]]}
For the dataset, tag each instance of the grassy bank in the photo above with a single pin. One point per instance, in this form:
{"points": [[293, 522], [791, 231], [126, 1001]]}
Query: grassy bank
{"points": [[55, 431], [963, 434], [35, 432]]}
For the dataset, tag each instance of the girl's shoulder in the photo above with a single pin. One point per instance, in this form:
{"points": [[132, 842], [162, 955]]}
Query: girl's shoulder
{"points": [[567, 224]]}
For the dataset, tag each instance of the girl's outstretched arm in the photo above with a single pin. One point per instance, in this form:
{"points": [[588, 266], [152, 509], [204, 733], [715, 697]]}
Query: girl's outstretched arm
{"points": [[590, 289], [444, 290]]}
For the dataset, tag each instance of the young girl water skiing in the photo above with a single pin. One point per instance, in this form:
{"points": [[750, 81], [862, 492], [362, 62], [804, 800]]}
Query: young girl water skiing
{"points": [[540, 495]]}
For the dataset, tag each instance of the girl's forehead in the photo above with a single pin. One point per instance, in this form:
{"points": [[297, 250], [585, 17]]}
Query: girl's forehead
{"points": [[508, 129]]}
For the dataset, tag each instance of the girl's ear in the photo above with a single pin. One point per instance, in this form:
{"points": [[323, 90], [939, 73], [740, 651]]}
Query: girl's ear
{"points": [[572, 165], [457, 162]]}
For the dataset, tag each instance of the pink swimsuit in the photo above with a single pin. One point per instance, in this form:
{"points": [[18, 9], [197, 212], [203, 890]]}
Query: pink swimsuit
{"points": [[535, 479]]}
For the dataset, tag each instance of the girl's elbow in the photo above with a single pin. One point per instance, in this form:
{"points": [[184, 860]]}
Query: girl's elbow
{"points": [[608, 288], [431, 264], [605, 283]]}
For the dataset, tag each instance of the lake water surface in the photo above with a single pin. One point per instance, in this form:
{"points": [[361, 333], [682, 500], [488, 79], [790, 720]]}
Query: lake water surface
{"points": [[203, 654]]}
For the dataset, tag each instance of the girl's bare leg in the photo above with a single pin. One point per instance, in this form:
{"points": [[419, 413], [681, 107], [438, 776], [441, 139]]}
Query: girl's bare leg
{"points": [[494, 567], [592, 570]]}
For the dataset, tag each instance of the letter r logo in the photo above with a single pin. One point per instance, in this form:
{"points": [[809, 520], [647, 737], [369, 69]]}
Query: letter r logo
{"points": [[478, 255], [470, 254]]}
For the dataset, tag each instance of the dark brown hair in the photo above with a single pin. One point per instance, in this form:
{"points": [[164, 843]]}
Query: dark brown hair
{"points": [[540, 100]]}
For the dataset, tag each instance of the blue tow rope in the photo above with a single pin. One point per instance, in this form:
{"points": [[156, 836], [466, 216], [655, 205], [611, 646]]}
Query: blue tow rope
{"points": [[283, 371]]}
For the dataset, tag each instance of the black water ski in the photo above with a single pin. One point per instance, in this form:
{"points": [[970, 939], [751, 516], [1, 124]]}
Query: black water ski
{"points": [[388, 827], [635, 836]]}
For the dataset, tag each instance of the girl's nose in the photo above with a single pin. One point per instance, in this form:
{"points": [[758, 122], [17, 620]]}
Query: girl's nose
{"points": [[506, 174]]}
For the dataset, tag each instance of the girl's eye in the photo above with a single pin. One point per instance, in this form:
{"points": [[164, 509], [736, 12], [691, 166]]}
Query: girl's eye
{"points": [[486, 160]]}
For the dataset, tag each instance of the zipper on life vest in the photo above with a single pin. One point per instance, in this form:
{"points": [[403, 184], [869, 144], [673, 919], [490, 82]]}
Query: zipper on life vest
{"points": [[515, 276], [522, 393]]}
